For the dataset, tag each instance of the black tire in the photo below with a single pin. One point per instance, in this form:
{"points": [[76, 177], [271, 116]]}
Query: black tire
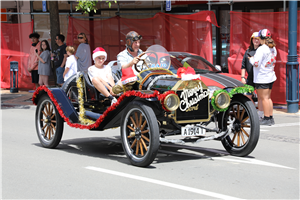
{"points": [[244, 137], [140, 139], [49, 124]]}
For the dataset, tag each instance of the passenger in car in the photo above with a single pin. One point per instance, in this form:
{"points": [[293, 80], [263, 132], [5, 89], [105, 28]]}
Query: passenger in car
{"points": [[101, 75], [130, 56]]}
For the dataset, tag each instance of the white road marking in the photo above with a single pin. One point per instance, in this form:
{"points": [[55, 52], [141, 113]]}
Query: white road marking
{"points": [[233, 159], [251, 161], [158, 182], [282, 125], [261, 130], [74, 146]]}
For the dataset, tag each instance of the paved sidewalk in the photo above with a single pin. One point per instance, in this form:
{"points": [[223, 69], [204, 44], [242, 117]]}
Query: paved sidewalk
{"points": [[22, 98]]}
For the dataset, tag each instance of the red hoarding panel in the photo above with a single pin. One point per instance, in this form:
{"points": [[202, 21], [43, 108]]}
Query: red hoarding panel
{"points": [[242, 26]]}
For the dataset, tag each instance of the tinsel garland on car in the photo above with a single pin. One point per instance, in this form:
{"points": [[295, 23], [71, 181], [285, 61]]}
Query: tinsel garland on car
{"points": [[82, 118], [238, 90], [139, 94]]}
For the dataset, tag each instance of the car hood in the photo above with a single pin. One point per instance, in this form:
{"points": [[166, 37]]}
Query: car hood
{"points": [[221, 80]]}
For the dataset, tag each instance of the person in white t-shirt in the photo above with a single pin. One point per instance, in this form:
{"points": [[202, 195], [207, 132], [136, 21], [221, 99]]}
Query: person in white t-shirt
{"points": [[264, 75], [130, 56], [71, 64], [101, 75]]}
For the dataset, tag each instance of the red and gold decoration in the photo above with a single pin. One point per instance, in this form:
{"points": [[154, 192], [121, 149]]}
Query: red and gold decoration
{"points": [[139, 94]]}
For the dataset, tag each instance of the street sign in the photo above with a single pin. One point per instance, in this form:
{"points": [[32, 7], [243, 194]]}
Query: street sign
{"points": [[168, 5], [44, 6]]}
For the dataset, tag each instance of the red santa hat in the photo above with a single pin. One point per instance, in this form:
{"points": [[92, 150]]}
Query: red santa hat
{"points": [[99, 51]]}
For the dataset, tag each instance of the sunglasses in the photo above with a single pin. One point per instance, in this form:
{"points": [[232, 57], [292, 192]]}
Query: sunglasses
{"points": [[135, 38], [80, 37]]}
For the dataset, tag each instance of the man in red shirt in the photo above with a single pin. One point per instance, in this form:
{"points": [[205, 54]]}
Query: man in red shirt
{"points": [[33, 59]]}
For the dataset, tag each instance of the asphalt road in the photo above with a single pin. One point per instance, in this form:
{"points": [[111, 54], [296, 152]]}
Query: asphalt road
{"points": [[92, 165]]}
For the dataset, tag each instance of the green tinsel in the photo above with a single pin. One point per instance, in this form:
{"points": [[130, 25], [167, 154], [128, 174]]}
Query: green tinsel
{"points": [[241, 90], [213, 100], [238, 90]]}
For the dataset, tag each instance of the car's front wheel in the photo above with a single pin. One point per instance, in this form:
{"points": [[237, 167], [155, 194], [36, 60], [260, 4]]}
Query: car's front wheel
{"points": [[243, 117], [49, 124], [140, 134]]}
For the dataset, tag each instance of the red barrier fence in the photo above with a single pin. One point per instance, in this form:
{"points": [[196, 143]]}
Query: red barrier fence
{"points": [[190, 33], [243, 24], [15, 46]]}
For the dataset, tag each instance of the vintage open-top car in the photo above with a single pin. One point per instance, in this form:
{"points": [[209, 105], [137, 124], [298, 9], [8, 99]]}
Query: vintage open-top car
{"points": [[174, 94]]}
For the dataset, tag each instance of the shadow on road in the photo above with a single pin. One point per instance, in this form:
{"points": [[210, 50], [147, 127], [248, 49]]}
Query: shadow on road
{"points": [[111, 148]]}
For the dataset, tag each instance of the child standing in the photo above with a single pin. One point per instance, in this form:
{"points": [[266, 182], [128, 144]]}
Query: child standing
{"points": [[71, 64]]}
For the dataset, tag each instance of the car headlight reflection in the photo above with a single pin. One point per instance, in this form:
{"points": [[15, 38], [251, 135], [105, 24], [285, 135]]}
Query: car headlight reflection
{"points": [[171, 102], [222, 100]]}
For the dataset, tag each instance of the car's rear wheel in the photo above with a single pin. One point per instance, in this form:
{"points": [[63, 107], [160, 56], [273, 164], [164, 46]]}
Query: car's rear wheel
{"points": [[246, 129], [140, 134], [48, 122]]}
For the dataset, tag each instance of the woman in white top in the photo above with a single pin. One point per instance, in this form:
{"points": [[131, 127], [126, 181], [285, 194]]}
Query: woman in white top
{"points": [[101, 75], [264, 75], [71, 64]]}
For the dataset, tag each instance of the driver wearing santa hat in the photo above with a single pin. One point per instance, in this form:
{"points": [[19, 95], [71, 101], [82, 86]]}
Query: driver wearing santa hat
{"points": [[101, 75]]}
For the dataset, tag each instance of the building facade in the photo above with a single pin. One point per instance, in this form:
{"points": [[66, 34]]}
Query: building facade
{"points": [[25, 11]]}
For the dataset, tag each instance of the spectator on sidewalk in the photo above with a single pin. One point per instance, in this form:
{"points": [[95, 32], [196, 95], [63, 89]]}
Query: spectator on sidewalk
{"points": [[83, 53], [264, 75], [71, 64], [33, 59], [44, 70], [60, 57], [248, 67]]}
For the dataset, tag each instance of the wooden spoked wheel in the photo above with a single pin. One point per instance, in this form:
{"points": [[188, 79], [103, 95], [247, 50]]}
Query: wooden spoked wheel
{"points": [[139, 137], [49, 124], [245, 131], [241, 132], [140, 134]]}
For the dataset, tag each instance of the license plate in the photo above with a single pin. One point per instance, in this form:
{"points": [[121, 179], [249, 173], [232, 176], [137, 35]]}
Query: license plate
{"points": [[192, 131]]}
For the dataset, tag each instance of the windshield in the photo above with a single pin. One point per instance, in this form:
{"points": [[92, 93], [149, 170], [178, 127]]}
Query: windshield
{"points": [[199, 64], [156, 56]]}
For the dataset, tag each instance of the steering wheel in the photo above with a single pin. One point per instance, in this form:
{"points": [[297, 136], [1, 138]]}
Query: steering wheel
{"points": [[150, 59]]}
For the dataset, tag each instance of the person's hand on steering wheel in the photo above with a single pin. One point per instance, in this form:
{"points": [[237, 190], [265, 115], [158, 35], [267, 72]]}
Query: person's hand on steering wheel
{"points": [[136, 60]]}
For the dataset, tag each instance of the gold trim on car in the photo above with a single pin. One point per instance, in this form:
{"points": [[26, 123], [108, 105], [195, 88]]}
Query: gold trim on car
{"points": [[146, 78], [153, 69], [180, 86], [226, 104], [175, 106]]}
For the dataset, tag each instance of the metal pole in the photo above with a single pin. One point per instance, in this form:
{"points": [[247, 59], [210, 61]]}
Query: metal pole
{"points": [[292, 66], [284, 5]]}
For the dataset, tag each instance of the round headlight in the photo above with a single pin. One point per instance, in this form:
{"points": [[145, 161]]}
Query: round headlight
{"points": [[222, 100], [171, 102]]}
